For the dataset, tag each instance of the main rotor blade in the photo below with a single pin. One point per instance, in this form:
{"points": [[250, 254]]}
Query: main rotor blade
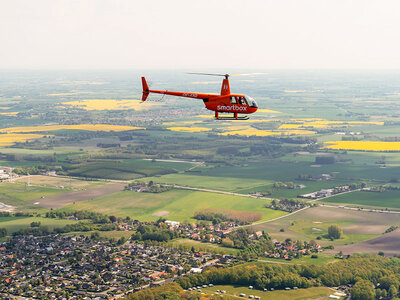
{"points": [[247, 74], [210, 74]]}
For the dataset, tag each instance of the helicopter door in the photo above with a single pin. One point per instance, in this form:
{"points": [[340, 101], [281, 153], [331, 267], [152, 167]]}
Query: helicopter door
{"points": [[242, 101]]}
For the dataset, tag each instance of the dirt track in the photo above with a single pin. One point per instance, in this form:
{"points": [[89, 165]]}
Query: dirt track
{"points": [[389, 243], [61, 200]]}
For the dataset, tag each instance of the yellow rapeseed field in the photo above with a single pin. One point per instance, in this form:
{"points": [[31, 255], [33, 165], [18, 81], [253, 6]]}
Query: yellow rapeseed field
{"points": [[9, 139], [189, 129], [88, 127], [268, 111], [4, 107], [68, 94], [250, 132], [10, 114], [111, 104], [205, 116], [320, 123], [363, 145]]}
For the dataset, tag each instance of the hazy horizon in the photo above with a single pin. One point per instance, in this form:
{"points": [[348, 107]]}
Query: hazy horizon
{"points": [[206, 35]]}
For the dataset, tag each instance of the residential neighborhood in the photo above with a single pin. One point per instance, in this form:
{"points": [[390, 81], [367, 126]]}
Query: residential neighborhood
{"points": [[57, 266]]}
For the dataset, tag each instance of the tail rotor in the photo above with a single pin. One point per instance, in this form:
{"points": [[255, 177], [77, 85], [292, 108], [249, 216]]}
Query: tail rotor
{"points": [[146, 90]]}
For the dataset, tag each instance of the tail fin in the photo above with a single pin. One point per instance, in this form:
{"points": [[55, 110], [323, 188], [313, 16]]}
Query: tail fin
{"points": [[146, 90]]}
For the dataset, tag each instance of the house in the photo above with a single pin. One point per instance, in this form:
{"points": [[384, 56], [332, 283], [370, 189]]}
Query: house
{"points": [[172, 223], [195, 270]]}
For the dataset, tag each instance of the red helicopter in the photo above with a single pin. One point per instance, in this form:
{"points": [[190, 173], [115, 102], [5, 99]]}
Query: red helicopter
{"points": [[223, 103]]}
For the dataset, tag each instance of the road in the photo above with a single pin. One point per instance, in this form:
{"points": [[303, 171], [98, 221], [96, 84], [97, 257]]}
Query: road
{"points": [[363, 209], [217, 192]]}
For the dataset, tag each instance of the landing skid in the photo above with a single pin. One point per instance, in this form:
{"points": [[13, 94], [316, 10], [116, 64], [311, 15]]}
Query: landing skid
{"points": [[235, 117]]}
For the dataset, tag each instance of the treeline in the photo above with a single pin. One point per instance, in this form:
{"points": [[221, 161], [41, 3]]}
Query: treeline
{"points": [[167, 291], [375, 270], [77, 227], [223, 215], [95, 217], [288, 205], [153, 233], [16, 214], [250, 243]]}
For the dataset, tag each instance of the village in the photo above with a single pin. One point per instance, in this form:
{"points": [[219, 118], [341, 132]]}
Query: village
{"points": [[58, 266]]}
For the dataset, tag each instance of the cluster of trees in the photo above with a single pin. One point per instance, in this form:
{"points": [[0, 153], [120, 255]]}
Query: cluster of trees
{"points": [[391, 228], [95, 217], [37, 230], [84, 226], [27, 170], [167, 291], [251, 245], [223, 215], [3, 232], [288, 205], [284, 185], [334, 232], [153, 233], [362, 271], [17, 214], [150, 187], [324, 160]]}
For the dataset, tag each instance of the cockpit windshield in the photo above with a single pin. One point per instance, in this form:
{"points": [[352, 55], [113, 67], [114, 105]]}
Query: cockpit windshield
{"points": [[251, 101]]}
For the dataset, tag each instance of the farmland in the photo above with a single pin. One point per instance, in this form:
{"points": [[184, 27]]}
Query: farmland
{"points": [[210, 182], [10, 139], [386, 199], [180, 204], [310, 293], [17, 223], [313, 222], [109, 104], [364, 145], [126, 169], [93, 130], [86, 127], [15, 194]]}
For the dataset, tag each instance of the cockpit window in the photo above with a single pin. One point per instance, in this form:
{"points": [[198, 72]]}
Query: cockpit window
{"points": [[242, 101], [233, 100], [251, 101]]}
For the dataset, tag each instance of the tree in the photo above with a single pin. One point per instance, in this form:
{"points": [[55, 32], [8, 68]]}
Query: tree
{"points": [[334, 232], [227, 242], [363, 290], [113, 219], [392, 292]]}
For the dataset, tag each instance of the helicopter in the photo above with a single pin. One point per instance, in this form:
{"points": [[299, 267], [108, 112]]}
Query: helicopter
{"points": [[225, 102]]}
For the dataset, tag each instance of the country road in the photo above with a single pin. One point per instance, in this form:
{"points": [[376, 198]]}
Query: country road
{"points": [[217, 192]]}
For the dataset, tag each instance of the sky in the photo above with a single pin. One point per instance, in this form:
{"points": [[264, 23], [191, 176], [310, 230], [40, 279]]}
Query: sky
{"points": [[199, 34]]}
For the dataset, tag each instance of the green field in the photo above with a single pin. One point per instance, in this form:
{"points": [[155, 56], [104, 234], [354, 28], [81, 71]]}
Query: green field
{"points": [[18, 194], [200, 246], [300, 294], [179, 205], [18, 223], [357, 225], [387, 199], [230, 184], [305, 260], [275, 170], [313, 229], [127, 169]]}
